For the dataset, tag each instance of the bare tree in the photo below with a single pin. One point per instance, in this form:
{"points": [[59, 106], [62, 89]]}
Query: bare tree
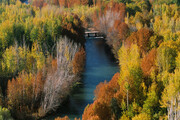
{"points": [[57, 84], [107, 21]]}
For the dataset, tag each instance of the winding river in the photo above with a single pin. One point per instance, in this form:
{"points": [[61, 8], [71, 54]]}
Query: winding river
{"points": [[100, 66]]}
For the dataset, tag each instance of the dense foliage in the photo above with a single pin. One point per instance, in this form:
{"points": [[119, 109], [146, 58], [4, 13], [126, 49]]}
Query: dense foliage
{"points": [[148, 82], [42, 55], [39, 48]]}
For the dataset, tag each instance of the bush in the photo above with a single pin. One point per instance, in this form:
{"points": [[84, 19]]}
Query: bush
{"points": [[5, 114]]}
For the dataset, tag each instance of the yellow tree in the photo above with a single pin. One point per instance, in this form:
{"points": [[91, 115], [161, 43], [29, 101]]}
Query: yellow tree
{"points": [[142, 116], [171, 96], [130, 73]]}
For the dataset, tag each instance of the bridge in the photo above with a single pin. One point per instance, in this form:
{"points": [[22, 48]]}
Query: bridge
{"points": [[94, 34]]}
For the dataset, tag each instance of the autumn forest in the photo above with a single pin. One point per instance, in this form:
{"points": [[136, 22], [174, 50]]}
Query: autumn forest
{"points": [[43, 58]]}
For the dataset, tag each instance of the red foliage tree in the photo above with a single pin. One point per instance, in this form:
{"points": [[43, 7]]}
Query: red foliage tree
{"points": [[148, 62], [63, 3], [79, 61], [123, 30], [119, 8], [71, 3], [141, 38], [100, 109], [110, 22], [54, 64], [55, 2], [84, 2], [38, 3], [106, 91], [24, 92], [120, 35]]}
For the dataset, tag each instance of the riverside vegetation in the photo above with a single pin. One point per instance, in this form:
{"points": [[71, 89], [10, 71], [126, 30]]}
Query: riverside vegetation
{"points": [[42, 55]]}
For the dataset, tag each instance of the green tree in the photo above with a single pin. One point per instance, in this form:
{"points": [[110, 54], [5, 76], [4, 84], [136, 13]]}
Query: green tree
{"points": [[150, 105], [166, 57]]}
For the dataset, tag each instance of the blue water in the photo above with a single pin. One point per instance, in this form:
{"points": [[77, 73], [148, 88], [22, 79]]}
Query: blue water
{"points": [[26, 2], [99, 67]]}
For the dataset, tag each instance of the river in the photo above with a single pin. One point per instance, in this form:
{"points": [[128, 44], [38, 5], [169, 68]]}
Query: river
{"points": [[100, 66]]}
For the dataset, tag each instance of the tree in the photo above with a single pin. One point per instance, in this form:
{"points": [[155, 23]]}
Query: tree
{"points": [[106, 104], [34, 34], [98, 110], [24, 93], [178, 61], [106, 91], [115, 109], [18, 32], [6, 31], [84, 2], [151, 103], [79, 61], [56, 86], [149, 62], [110, 22], [16, 59], [131, 74], [170, 96], [124, 117], [38, 3], [166, 58], [142, 116], [10, 60], [141, 38]]}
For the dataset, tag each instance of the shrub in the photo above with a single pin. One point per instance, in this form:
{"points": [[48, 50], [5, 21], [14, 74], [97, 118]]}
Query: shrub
{"points": [[5, 114]]}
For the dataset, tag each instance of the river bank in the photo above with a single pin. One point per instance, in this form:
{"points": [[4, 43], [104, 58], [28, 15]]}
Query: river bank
{"points": [[100, 66]]}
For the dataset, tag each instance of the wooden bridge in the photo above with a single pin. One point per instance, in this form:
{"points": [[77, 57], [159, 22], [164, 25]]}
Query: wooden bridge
{"points": [[94, 34]]}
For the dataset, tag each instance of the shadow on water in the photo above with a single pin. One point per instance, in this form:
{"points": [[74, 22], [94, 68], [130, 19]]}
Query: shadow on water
{"points": [[100, 66]]}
